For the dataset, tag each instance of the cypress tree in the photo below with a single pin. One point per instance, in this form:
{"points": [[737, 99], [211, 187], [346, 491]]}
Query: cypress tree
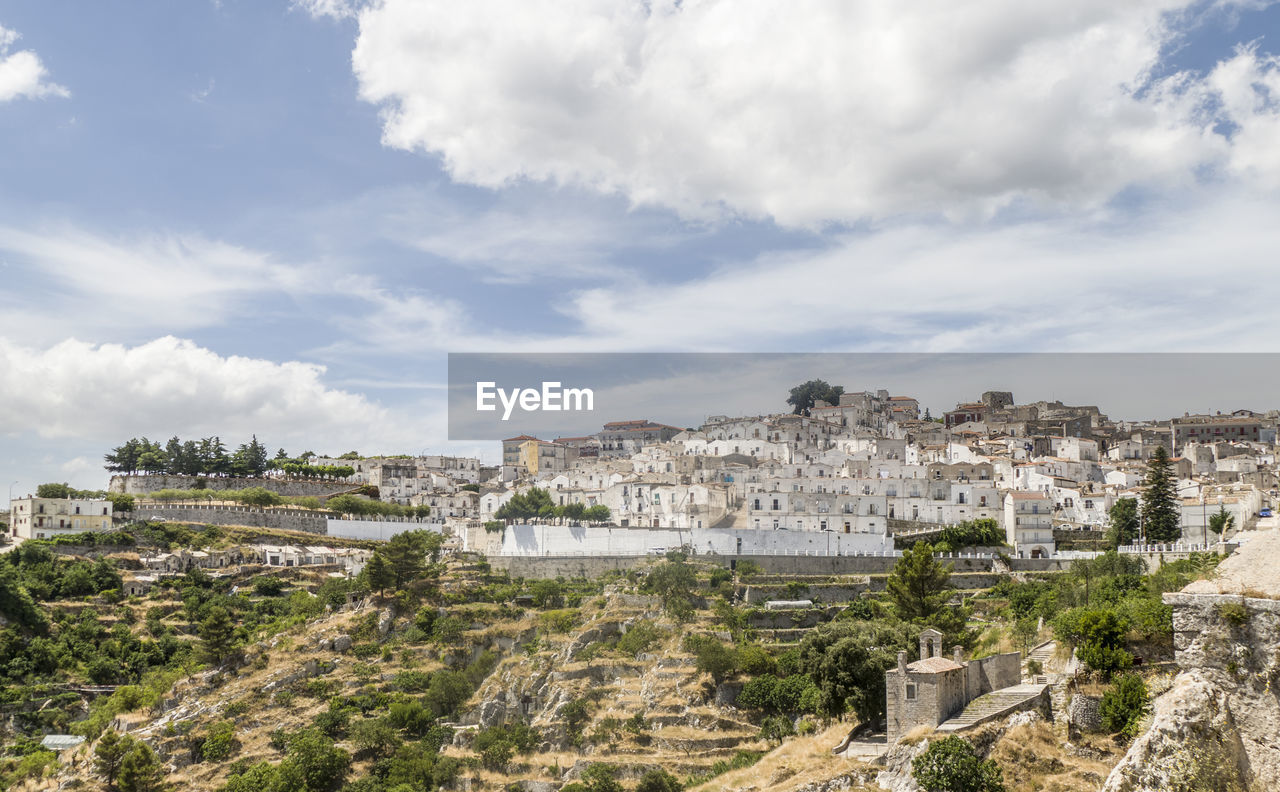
{"points": [[1161, 514]]}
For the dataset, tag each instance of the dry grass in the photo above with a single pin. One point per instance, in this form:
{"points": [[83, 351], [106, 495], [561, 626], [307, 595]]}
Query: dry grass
{"points": [[1033, 758], [798, 761]]}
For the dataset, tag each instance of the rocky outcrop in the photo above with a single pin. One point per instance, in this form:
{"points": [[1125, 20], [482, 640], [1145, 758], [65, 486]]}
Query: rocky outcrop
{"points": [[1216, 727], [1193, 744]]}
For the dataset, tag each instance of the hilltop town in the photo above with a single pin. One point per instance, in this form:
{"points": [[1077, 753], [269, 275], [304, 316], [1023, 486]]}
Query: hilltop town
{"points": [[854, 594]]}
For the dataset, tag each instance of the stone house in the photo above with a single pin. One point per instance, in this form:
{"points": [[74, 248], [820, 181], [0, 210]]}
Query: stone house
{"points": [[934, 689]]}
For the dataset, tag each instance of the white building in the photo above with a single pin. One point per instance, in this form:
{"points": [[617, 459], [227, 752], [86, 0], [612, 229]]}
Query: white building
{"points": [[1028, 524], [45, 518]]}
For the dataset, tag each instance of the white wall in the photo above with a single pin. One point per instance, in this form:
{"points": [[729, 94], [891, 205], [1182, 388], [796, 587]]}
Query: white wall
{"points": [[606, 540], [376, 529]]}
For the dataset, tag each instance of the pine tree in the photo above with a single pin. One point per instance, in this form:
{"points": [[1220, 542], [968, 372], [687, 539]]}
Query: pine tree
{"points": [[1161, 514], [1221, 522], [140, 770], [110, 750], [173, 451], [919, 584], [378, 574], [217, 633]]}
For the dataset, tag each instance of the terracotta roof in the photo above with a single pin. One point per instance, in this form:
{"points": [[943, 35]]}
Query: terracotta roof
{"points": [[1030, 495], [521, 437], [934, 665]]}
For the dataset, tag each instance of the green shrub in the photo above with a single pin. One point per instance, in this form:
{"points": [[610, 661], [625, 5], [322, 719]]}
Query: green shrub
{"points": [[220, 742], [1233, 613], [776, 728], [1123, 705], [658, 780], [952, 765], [639, 638]]}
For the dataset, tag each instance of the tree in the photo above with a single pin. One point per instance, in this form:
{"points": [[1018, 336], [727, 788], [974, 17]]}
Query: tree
{"points": [[716, 659], [600, 777], [919, 584], [124, 458], [378, 575], [776, 728], [673, 581], [53, 491], [1123, 705], [1025, 630], [140, 770], [846, 661], [1161, 514], [533, 502], [804, 395], [1221, 522], [406, 554], [375, 737], [315, 760], [1123, 524], [658, 780], [217, 635], [447, 691], [120, 502], [952, 765], [110, 750]]}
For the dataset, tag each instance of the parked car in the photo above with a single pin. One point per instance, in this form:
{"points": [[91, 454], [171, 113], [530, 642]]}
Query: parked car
{"points": [[1265, 512]]}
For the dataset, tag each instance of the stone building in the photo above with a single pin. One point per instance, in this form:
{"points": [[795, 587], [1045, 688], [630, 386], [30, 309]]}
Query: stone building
{"points": [[934, 689]]}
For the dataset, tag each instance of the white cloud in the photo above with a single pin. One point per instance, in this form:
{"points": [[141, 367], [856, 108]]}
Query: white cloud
{"points": [[22, 75], [807, 112], [166, 281], [333, 9], [169, 386], [1184, 279]]}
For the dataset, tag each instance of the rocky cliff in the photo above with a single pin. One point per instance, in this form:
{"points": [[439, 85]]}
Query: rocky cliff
{"points": [[1216, 728]]}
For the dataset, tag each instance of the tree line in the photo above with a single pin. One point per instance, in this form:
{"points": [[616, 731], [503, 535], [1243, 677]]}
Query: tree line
{"points": [[209, 456], [537, 503]]}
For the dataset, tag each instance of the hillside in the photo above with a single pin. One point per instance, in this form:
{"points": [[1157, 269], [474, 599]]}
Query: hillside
{"points": [[444, 673]]}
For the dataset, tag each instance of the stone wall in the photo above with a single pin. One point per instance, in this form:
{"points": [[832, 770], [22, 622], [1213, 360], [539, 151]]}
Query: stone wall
{"points": [[537, 567], [994, 672], [1085, 713], [146, 484], [284, 519]]}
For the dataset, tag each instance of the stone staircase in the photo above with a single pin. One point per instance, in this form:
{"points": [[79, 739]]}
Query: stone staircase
{"points": [[993, 705], [1043, 653]]}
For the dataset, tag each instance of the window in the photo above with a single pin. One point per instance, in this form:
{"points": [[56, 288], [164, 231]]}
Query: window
{"points": [[911, 691]]}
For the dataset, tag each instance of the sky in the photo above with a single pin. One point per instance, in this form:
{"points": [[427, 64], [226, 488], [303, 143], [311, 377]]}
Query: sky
{"points": [[279, 216]]}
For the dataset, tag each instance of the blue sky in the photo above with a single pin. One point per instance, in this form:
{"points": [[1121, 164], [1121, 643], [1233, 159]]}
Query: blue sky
{"points": [[272, 216]]}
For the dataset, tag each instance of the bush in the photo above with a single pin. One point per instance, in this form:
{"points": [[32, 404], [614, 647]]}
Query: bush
{"points": [[1104, 659], [639, 638], [220, 743], [754, 660], [776, 728], [375, 737], [716, 659], [952, 765], [1124, 704], [559, 621], [658, 780]]}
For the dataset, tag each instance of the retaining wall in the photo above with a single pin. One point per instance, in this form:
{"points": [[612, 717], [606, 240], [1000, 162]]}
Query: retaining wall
{"points": [[283, 519], [146, 484]]}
